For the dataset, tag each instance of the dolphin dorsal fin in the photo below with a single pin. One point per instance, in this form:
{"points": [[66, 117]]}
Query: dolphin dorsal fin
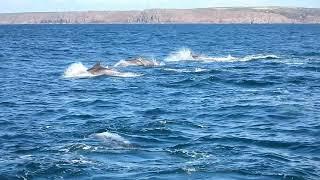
{"points": [[98, 64]]}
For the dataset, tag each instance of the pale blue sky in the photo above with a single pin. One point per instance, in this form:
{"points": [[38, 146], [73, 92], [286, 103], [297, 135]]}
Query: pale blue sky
{"points": [[82, 5]]}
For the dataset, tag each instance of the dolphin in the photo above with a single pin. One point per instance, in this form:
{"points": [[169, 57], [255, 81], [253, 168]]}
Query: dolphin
{"points": [[139, 61], [195, 56], [98, 69], [113, 140]]}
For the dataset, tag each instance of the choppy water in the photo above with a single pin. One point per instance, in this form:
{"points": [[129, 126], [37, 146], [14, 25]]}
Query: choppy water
{"points": [[247, 108]]}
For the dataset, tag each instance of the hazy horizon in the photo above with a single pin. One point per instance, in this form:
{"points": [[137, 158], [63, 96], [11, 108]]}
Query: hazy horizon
{"points": [[90, 10], [20, 6]]}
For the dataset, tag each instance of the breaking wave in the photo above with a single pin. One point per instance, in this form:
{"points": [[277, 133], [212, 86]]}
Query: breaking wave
{"points": [[187, 55], [78, 70]]}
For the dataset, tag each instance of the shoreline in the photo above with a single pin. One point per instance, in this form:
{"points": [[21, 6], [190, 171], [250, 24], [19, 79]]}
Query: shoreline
{"points": [[237, 15], [159, 24]]}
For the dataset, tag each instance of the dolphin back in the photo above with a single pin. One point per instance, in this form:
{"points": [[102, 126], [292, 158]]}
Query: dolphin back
{"points": [[97, 66]]}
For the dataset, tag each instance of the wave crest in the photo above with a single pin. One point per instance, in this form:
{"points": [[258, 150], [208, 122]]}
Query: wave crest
{"points": [[125, 74]]}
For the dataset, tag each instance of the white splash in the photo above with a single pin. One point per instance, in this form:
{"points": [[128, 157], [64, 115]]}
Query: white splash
{"points": [[111, 139], [183, 54], [77, 70]]}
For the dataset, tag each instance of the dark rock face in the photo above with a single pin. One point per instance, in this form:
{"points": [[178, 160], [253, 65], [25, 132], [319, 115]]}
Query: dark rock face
{"points": [[262, 15]]}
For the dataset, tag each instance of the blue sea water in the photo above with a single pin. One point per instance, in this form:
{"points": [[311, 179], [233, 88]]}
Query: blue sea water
{"points": [[249, 108]]}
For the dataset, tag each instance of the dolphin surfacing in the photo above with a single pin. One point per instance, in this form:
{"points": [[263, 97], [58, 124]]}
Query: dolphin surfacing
{"points": [[139, 61], [195, 56], [98, 69]]}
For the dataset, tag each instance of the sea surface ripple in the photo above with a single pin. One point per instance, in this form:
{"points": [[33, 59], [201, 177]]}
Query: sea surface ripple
{"points": [[247, 108]]}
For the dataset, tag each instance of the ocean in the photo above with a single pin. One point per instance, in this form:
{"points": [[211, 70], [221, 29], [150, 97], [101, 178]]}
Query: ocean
{"points": [[223, 102]]}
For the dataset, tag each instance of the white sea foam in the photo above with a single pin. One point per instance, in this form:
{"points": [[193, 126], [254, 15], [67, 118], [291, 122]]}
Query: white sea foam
{"points": [[185, 54], [258, 56], [81, 161], [77, 146], [78, 70], [190, 153], [28, 156], [126, 74], [111, 139], [175, 70], [185, 70], [200, 70], [189, 170], [228, 58]]}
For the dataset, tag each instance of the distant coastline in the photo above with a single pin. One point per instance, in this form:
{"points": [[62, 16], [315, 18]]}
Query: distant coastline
{"points": [[227, 15]]}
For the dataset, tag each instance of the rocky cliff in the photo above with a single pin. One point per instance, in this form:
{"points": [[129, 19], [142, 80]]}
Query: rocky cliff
{"points": [[261, 15]]}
